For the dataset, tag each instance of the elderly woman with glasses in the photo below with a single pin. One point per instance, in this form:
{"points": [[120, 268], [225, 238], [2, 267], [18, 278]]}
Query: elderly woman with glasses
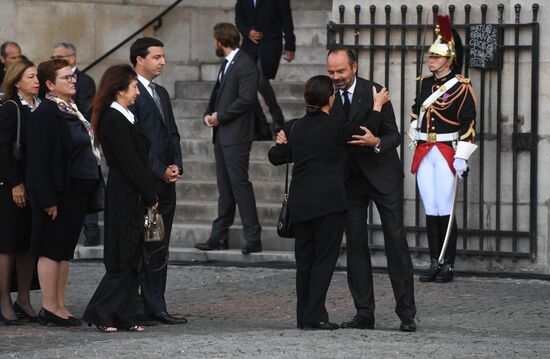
{"points": [[20, 88], [62, 173]]}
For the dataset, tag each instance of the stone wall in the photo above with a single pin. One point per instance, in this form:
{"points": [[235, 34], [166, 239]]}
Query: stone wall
{"points": [[540, 264]]}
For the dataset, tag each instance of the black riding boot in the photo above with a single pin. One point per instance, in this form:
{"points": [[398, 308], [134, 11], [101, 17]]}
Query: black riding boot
{"points": [[446, 274], [433, 233]]}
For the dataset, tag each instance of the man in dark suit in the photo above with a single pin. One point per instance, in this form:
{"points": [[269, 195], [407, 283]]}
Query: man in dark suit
{"points": [[231, 114], [374, 174], [10, 52], [153, 112], [262, 24], [85, 92]]}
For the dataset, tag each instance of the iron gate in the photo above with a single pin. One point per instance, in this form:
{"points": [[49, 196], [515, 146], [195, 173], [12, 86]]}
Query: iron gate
{"points": [[497, 211]]}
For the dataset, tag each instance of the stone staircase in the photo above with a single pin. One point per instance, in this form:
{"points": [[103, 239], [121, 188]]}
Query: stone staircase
{"points": [[197, 191]]}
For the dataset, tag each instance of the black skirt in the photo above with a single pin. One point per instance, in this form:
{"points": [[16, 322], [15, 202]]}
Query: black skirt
{"points": [[15, 223], [57, 239]]}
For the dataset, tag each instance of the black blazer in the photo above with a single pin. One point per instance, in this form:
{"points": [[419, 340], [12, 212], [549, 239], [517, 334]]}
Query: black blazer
{"points": [[318, 149], [383, 170], [48, 154], [12, 172], [234, 102], [85, 92], [272, 18], [163, 135]]}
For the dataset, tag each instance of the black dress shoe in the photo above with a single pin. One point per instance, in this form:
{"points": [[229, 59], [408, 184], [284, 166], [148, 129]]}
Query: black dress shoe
{"points": [[91, 242], [252, 248], [359, 322], [207, 246], [166, 318], [10, 322], [431, 273], [45, 317], [21, 314], [321, 326], [407, 325]]}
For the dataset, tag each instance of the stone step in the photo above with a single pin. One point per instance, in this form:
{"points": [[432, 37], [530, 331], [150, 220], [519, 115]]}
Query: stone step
{"points": [[264, 191], [196, 211], [287, 71], [193, 128], [195, 108], [315, 15], [197, 148], [205, 169], [200, 90], [310, 36]]}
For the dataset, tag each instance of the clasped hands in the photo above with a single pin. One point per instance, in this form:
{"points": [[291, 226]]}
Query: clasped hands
{"points": [[171, 174], [211, 120]]}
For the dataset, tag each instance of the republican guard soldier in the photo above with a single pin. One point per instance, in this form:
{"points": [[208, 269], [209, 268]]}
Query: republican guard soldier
{"points": [[442, 130]]}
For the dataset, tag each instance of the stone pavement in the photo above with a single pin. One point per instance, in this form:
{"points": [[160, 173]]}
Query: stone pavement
{"points": [[250, 313]]}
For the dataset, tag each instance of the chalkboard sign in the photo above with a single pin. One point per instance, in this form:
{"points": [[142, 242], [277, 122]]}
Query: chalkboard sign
{"points": [[484, 46]]}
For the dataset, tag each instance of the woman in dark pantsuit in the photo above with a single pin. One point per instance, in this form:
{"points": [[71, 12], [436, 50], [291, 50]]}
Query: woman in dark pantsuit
{"points": [[20, 89], [61, 175], [130, 189], [317, 199]]}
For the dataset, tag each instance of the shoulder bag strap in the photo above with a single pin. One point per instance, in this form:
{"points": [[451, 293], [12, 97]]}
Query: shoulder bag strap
{"points": [[288, 159], [18, 140]]}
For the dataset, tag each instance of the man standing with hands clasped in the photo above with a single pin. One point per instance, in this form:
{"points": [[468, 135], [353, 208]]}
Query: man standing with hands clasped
{"points": [[374, 174], [230, 113], [153, 112]]}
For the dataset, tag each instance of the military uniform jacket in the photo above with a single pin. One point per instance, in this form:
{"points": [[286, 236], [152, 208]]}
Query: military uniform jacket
{"points": [[454, 111]]}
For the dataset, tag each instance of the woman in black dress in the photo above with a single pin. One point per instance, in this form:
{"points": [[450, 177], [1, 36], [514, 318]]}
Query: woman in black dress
{"points": [[20, 88], [130, 189], [317, 199], [62, 172]]}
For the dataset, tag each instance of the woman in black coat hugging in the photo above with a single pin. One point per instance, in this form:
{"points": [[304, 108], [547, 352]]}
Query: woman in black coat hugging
{"points": [[20, 89], [316, 200], [130, 189], [61, 175]]}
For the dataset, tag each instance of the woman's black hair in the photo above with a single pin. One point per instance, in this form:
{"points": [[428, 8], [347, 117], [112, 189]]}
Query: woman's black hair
{"points": [[317, 92]]}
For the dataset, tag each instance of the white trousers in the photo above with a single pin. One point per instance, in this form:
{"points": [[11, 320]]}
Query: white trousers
{"points": [[435, 183]]}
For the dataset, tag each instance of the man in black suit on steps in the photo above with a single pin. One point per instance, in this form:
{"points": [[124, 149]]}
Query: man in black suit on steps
{"points": [[231, 114], [153, 112], [374, 174]]}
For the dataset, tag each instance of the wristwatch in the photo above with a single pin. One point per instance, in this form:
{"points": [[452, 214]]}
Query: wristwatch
{"points": [[377, 148]]}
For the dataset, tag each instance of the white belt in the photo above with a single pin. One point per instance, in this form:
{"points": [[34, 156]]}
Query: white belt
{"points": [[437, 137]]}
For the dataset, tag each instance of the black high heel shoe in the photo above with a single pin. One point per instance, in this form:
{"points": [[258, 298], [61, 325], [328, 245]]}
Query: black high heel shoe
{"points": [[46, 317], [22, 314], [9, 321]]}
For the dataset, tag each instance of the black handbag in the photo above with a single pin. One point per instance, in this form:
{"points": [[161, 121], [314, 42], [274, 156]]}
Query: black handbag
{"points": [[17, 147], [96, 200], [284, 227]]}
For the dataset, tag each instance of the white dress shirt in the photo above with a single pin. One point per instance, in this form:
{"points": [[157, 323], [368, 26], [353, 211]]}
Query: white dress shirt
{"points": [[129, 115]]}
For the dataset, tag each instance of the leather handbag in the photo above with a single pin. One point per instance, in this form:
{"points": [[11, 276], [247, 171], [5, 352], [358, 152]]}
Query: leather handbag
{"points": [[17, 147], [96, 200], [284, 227], [154, 227]]}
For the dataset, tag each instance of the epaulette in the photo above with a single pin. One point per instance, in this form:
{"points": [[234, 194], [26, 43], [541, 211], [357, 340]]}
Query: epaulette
{"points": [[464, 80], [427, 76]]}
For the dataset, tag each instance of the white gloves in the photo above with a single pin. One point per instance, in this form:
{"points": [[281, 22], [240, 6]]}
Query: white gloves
{"points": [[460, 166]]}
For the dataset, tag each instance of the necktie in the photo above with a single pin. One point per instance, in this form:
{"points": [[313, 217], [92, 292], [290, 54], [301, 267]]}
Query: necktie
{"points": [[156, 98], [221, 74], [347, 104]]}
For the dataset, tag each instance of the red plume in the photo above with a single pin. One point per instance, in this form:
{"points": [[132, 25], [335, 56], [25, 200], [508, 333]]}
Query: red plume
{"points": [[445, 31]]}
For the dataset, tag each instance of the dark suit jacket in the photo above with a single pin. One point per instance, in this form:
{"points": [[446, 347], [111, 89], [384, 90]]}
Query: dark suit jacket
{"points": [[234, 102], [318, 149], [2, 74], [163, 135], [12, 172], [85, 92], [272, 18], [382, 170], [48, 154]]}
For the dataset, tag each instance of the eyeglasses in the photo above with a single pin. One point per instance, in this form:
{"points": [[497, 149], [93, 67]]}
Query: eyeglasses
{"points": [[67, 77]]}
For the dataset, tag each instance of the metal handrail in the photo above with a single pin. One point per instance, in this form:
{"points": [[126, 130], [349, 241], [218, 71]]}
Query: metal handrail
{"points": [[157, 19]]}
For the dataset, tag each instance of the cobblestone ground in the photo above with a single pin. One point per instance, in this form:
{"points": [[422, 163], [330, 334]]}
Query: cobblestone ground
{"points": [[249, 313]]}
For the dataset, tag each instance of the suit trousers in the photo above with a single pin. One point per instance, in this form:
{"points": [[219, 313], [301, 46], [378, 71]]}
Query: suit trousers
{"points": [[114, 300], [316, 250], [266, 90], [234, 188], [152, 276], [359, 266]]}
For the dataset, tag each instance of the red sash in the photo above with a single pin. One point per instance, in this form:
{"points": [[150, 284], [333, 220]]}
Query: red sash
{"points": [[422, 150]]}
